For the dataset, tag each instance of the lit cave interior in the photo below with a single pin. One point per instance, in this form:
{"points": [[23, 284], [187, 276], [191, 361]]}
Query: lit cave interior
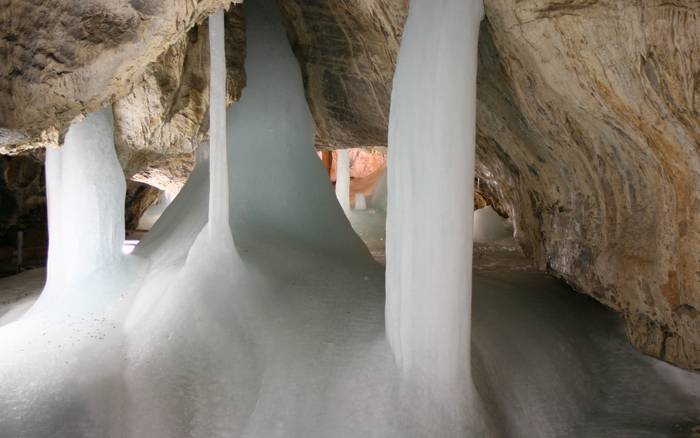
{"points": [[371, 218]]}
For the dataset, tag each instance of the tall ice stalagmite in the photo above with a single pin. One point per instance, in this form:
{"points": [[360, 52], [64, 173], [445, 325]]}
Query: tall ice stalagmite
{"points": [[430, 204]]}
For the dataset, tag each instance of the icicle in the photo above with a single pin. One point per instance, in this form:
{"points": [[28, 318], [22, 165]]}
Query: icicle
{"points": [[430, 179], [342, 180], [218, 160]]}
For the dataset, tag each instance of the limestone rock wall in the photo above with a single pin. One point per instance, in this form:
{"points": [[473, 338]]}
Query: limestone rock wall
{"points": [[64, 58], [162, 120], [347, 52], [588, 134]]}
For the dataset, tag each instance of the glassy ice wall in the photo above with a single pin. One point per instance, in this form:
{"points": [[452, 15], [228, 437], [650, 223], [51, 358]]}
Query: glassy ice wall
{"points": [[275, 173], [430, 196]]}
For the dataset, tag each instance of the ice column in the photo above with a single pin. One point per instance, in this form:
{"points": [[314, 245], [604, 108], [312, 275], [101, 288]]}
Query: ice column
{"points": [[218, 159], [342, 180], [430, 178], [85, 190]]}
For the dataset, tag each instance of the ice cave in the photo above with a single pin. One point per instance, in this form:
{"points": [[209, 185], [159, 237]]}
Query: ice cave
{"points": [[382, 218]]}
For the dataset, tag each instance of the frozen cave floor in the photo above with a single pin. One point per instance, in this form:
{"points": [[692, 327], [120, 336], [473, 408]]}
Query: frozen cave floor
{"points": [[545, 360]]}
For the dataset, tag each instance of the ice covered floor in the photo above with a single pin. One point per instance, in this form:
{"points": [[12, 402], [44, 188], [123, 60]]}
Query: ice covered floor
{"points": [[547, 362], [284, 335], [18, 293], [556, 363]]}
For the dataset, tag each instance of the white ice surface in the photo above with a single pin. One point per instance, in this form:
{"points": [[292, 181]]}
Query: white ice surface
{"points": [[288, 340], [430, 205], [18, 293]]}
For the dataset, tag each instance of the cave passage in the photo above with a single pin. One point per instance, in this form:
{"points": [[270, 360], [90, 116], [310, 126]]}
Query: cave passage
{"points": [[253, 308]]}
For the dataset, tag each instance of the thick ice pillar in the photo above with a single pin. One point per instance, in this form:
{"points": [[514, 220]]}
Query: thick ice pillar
{"points": [[342, 180], [218, 155], [85, 190], [430, 179]]}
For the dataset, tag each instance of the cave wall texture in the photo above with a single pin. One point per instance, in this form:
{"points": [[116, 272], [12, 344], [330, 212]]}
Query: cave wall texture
{"points": [[588, 134], [63, 58], [588, 120], [347, 52]]}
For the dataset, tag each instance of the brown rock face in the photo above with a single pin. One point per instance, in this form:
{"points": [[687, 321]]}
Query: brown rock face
{"points": [[160, 123], [347, 52], [64, 58], [588, 132]]}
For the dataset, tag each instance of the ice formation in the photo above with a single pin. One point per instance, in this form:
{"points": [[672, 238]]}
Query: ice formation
{"points": [[185, 338], [430, 207], [342, 180], [360, 201], [218, 226], [86, 230]]}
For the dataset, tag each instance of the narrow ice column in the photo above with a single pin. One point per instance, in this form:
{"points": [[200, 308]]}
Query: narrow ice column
{"points": [[430, 178], [85, 193], [218, 159], [342, 180]]}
